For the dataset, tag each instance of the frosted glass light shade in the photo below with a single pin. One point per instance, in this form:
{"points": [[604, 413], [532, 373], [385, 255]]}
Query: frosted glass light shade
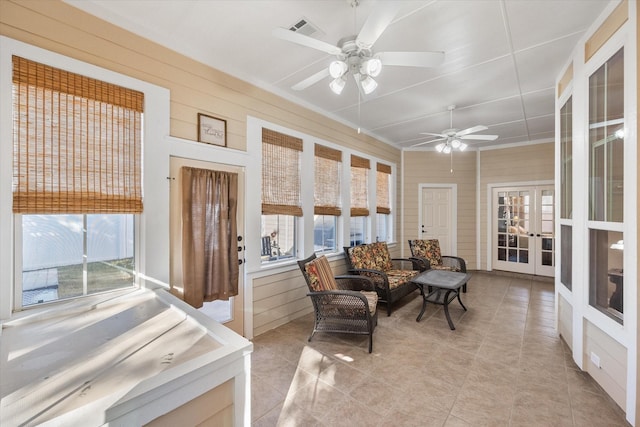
{"points": [[337, 85], [337, 69], [371, 67], [368, 85]]}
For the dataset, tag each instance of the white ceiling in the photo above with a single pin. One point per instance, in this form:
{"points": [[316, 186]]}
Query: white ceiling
{"points": [[502, 57]]}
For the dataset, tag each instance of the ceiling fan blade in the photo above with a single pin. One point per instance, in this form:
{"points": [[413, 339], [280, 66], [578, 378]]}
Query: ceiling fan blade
{"points": [[427, 142], [412, 59], [480, 137], [471, 130], [441, 135], [307, 41], [376, 23], [311, 80]]}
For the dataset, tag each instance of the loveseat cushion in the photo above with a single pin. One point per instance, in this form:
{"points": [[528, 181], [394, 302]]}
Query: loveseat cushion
{"points": [[320, 275], [372, 256], [446, 267]]}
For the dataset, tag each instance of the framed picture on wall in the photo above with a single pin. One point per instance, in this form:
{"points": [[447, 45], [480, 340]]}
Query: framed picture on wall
{"points": [[212, 130]]}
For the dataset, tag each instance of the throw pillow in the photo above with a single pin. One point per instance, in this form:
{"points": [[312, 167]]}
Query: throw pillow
{"points": [[320, 275]]}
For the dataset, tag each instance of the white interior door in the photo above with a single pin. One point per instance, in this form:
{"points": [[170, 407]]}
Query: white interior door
{"points": [[523, 230], [436, 219], [229, 312]]}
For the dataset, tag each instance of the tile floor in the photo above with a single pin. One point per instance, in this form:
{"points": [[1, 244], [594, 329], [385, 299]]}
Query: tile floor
{"points": [[504, 365]]}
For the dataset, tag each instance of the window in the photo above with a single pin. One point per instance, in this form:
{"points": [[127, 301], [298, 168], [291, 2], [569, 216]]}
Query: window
{"points": [[606, 140], [357, 227], [280, 194], [77, 181], [606, 185], [566, 159], [606, 272], [383, 202], [326, 195], [65, 256], [359, 199], [278, 237]]}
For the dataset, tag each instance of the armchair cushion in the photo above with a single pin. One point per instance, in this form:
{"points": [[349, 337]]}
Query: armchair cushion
{"points": [[429, 249], [320, 275], [372, 300]]}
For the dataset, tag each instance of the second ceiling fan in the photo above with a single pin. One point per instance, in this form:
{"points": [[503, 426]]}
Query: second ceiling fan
{"points": [[454, 138], [354, 54]]}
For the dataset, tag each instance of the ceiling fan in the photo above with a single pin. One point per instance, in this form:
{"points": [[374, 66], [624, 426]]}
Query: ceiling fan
{"points": [[454, 138], [354, 54]]}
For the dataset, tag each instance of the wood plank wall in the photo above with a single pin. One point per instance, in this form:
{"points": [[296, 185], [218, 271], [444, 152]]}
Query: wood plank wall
{"points": [[195, 87], [431, 167]]}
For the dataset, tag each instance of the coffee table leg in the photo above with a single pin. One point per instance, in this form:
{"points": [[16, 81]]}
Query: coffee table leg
{"points": [[424, 303], [460, 301], [446, 310]]}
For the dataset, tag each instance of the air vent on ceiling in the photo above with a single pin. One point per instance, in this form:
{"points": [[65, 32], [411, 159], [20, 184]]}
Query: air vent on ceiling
{"points": [[303, 26]]}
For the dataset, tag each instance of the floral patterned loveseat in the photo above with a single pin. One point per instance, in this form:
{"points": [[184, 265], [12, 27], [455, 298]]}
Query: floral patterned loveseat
{"points": [[391, 275]]}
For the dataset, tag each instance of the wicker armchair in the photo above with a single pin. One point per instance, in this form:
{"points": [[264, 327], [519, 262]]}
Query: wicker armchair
{"points": [[342, 304], [428, 250]]}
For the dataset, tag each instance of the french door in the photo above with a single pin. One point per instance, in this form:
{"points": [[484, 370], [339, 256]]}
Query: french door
{"points": [[523, 238]]}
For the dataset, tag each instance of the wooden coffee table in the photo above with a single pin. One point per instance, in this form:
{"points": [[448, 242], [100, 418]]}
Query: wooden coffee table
{"points": [[440, 287]]}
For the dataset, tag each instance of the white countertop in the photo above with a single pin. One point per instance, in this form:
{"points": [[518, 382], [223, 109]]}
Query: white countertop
{"points": [[88, 360]]}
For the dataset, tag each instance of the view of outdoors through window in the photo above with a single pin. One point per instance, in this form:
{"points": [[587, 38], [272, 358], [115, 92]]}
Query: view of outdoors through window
{"points": [[66, 256], [278, 237], [382, 234], [324, 233], [357, 234]]}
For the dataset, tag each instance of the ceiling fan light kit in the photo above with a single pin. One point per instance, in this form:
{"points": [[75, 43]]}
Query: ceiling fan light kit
{"points": [[354, 54]]}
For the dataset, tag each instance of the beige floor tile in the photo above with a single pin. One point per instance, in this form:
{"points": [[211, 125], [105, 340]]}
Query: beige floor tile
{"points": [[503, 365]]}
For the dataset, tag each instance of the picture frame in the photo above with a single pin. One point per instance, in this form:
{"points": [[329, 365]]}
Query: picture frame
{"points": [[212, 130]]}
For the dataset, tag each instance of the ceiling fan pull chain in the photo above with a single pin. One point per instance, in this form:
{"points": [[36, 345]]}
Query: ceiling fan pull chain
{"points": [[451, 162], [358, 111]]}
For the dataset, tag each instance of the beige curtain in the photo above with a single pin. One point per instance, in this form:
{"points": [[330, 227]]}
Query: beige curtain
{"points": [[209, 235]]}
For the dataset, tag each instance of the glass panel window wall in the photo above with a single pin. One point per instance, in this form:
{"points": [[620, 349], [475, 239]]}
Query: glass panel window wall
{"points": [[606, 140], [566, 159]]}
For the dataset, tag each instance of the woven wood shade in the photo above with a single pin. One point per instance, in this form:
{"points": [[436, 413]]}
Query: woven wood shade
{"points": [[359, 186], [383, 175], [77, 143], [326, 194], [280, 174]]}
